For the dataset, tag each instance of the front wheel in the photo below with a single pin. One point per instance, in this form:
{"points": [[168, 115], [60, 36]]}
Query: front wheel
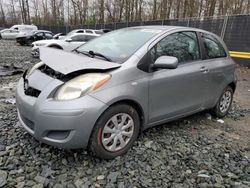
{"points": [[29, 42], [223, 105], [115, 132]]}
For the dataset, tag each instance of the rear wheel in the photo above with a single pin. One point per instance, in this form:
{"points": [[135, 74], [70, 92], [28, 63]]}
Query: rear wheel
{"points": [[114, 132], [223, 105]]}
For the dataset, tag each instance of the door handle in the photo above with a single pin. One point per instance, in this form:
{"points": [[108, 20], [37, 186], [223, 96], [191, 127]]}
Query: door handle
{"points": [[204, 69]]}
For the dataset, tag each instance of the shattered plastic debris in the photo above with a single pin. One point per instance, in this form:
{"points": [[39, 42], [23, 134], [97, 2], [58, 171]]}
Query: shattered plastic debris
{"points": [[8, 70], [220, 120], [8, 101]]}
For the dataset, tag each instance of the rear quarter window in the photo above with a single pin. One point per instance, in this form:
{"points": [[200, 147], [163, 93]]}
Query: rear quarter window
{"points": [[213, 48]]}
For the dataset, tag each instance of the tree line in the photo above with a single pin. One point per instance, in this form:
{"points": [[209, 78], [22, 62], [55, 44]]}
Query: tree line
{"points": [[80, 12]]}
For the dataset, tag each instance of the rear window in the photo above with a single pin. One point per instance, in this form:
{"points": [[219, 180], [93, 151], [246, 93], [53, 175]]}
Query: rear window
{"points": [[213, 48]]}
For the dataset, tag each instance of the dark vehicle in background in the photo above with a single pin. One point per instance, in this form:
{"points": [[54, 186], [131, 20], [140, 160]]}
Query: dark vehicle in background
{"points": [[28, 39]]}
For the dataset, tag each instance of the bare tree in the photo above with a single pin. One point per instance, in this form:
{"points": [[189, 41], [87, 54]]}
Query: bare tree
{"points": [[80, 12], [2, 13]]}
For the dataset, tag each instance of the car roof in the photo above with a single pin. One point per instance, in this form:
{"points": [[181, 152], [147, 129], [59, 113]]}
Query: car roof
{"points": [[157, 27], [167, 28], [23, 25], [91, 34]]}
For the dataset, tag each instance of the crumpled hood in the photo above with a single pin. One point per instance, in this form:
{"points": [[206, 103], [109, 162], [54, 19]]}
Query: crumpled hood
{"points": [[68, 62]]}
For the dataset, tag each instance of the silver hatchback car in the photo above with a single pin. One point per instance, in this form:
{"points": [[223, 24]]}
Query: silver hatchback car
{"points": [[128, 80]]}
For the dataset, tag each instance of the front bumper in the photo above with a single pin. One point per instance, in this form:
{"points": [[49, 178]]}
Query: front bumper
{"points": [[64, 124]]}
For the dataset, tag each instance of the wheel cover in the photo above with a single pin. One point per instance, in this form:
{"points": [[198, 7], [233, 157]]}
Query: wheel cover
{"points": [[117, 132], [225, 101]]}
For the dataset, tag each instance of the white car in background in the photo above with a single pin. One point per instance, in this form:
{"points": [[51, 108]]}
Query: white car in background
{"points": [[9, 34], [67, 43], [13, 32], [89, 31]]}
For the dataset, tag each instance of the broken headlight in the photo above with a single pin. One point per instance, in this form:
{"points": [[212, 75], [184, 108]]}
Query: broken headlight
{"points": [[81, 85]]}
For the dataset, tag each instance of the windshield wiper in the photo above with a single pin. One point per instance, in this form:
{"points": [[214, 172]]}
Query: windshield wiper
{"points": [[92, 54], [100, 55], [82, 52]]}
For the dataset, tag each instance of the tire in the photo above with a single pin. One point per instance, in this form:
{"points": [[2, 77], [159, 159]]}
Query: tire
{"points": [[22, 43], [29, 42], [98, 147], [224, 103]]}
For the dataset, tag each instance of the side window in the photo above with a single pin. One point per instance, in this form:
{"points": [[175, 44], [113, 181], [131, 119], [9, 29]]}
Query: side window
{"points": [[48, 35], [80, 31], [213, 47], [88, 31], [182, 45], [39, 34]]}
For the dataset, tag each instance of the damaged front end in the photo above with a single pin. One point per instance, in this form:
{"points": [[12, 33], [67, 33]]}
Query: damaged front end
{"points": [[49, 97], [65, 66]]}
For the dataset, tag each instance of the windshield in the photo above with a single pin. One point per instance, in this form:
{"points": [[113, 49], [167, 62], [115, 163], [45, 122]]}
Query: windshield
{"points": [[121, 44]]}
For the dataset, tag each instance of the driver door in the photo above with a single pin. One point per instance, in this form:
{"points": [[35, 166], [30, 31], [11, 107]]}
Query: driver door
{"points": [[180, 91]]}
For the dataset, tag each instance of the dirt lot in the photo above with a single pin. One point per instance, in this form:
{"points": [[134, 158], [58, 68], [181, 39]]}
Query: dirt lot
{"points": [[197, 151]]}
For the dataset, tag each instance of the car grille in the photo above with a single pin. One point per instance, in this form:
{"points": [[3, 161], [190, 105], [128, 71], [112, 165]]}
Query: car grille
{"points": [[32, 92], [28, 122]]}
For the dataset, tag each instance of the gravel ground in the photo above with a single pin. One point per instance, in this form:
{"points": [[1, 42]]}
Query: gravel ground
{"points": [[197, 151]]}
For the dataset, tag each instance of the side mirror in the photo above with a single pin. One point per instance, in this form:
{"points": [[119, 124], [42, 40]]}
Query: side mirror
{"points": [[68, 40], [165, 62]]}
